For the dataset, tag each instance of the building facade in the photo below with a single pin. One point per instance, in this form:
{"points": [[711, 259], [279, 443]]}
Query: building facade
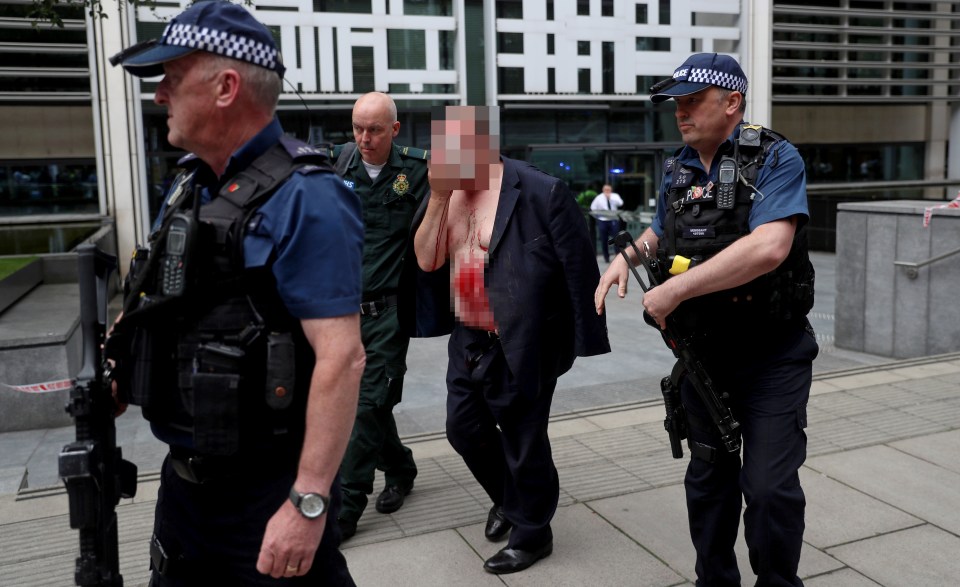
{"points": [[867, 89]]}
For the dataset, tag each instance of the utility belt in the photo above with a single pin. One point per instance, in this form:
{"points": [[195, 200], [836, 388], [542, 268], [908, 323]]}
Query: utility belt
{"points": [[377, 306], [199, 468]]}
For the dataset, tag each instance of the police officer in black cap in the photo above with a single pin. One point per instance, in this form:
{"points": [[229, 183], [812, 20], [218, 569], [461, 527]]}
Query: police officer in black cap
{"points": [[243, 318], [730, 230]]}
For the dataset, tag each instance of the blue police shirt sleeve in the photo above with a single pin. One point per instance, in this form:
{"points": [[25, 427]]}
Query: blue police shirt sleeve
{"points": [[312, 228], [660, 217], [782, 188]]}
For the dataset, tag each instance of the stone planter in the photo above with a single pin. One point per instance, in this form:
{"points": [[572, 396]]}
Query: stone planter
{"points": [[17, 284]]}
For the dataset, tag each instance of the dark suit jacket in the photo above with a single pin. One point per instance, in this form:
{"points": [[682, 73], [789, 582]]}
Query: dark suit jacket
{"points": [[541, 275]]}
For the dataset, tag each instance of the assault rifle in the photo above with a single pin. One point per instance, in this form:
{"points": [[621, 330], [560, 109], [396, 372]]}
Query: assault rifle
{"points": [[689, 363], [92, 467]]}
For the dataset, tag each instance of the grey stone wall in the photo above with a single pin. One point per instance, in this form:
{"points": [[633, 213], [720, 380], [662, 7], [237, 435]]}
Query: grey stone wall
{"points": [[880, 308], [40, 341]]}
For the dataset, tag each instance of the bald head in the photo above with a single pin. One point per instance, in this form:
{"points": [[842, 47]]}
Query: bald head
{"points": [[374, 126]]}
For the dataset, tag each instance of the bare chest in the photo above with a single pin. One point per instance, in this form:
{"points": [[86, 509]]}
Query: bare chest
{"points": [[471, 222]]}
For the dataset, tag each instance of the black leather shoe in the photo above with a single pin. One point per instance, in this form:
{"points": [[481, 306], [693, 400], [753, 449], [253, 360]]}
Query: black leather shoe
{"points": [[512, 560], [497, 524], [391, 498], [347, 528]]}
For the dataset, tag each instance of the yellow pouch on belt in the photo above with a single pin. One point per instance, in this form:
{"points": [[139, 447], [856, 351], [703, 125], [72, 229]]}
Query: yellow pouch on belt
{"points": [[679, 265]]}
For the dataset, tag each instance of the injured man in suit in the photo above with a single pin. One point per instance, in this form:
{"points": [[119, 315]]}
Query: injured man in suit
{"points": [[523, 273]]}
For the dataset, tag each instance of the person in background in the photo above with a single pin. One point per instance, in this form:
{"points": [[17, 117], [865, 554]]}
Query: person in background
{"points": [[607, 225]]}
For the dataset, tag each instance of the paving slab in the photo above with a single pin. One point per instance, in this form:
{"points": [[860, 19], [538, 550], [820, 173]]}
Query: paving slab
{"points": [[940, 449], [658, 520], [920, 488], [926, 370], [921, 556], [842, 578], [440, 559], [628, 417], [587, 550], [864, 379], [837, 514]]}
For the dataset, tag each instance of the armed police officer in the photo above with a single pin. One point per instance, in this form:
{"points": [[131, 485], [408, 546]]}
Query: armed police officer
{"points": [[391, 181], [246, 352], [730, 230]]}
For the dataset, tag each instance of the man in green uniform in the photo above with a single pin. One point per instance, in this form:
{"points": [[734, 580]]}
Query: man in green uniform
{"points": [[390, 181]]}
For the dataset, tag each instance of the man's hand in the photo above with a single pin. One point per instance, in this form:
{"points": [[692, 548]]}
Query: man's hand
{"points": [[119, 407], [443, 181], [616, 273], [289, 543], [660, 302]]}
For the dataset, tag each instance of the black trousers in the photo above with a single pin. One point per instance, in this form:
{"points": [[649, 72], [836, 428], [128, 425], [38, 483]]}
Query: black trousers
{"points": [[607, 229], [374, 441], [212, 532], [769, 387], [513, 463]]}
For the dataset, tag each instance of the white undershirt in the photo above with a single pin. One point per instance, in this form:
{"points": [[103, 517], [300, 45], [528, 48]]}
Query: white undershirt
{"points": [[373, 170]]}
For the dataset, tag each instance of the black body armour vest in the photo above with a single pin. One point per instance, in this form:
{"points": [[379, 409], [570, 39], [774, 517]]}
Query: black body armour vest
{"points": [[697, 229], [225, 361]]}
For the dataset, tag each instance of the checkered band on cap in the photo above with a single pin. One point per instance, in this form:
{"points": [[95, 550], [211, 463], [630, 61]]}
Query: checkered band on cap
{"points": [[701, 75], [221, 43]]}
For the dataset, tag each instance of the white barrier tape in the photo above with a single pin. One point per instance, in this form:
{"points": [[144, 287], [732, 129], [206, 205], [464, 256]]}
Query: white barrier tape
{"points": [[928, 212], [46, 387]]}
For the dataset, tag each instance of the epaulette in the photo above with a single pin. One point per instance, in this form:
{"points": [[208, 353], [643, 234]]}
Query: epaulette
{"points": [[189, 160], [300, 151], [308, 157], [415, 153]]}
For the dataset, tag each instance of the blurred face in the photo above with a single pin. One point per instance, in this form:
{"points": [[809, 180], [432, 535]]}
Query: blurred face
{"points": [[373, 129], [607, 190], [188, 90], [704, 118], [464, 146]]}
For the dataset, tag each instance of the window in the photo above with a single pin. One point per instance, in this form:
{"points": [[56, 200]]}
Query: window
{"points": [[583, 7], [583, 47], [510, 80], [664, 11], [509, 9], [406, 49], [641, 16], [510, 43], [46, 187], [428, 7], [353, 6], [583, 81], [363, 69], [606, 57], [653, 44]]}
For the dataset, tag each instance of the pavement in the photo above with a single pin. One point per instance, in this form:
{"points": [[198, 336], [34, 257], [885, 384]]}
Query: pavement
{"points": [[881, 479]]}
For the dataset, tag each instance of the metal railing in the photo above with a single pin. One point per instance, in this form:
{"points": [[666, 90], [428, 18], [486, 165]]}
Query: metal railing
{"points": [[913, 269]]}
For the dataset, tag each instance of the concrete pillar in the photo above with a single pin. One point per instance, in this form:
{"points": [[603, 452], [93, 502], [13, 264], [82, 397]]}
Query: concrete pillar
{"points": [[899, 311], [756, 57], [941, 122], [953, 159], [118, 122]]}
